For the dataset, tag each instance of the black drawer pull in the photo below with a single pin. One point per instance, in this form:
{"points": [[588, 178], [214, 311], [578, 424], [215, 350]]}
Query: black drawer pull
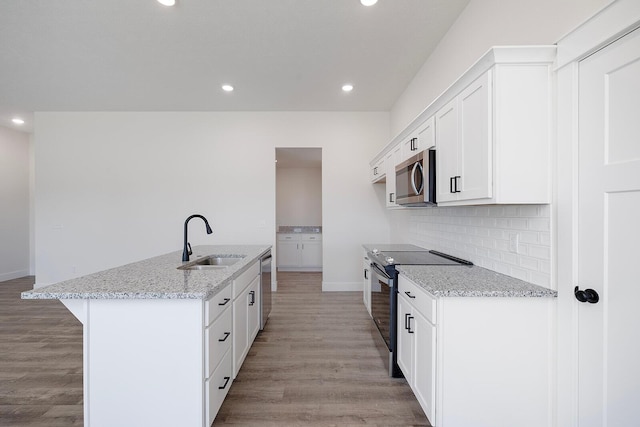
{"points": [[226, 381], [226, 335], [406, 320], [409, 294], [253, 297], [409, 324], [226, 300]]}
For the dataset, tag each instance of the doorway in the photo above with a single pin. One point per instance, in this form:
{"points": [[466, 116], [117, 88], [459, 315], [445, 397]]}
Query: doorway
{"points": [[299, 209]]}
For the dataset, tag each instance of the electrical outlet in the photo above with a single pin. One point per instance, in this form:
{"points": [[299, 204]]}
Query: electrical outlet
{"points": [[514, 241]]}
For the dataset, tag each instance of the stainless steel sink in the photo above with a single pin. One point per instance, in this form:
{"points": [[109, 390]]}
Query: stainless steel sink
{"points": [[212, 262]]}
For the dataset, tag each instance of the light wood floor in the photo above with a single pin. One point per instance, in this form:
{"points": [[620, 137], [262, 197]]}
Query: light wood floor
{"points": [[40, 361], [314, 364]]}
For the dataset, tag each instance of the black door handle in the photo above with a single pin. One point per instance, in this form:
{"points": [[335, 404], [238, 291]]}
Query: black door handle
{"points": [[588, 295], [226, 335], [226, 300], [253, 297]]}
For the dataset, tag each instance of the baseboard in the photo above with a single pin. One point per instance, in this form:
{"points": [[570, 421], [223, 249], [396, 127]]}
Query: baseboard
{"points": [[13, 275], [341, 286]]}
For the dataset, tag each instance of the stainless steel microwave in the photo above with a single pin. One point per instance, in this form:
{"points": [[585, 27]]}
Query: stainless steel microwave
{"points": [[416, 180]]}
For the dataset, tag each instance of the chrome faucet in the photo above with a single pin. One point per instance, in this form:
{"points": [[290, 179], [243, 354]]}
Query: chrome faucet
{"points": [[186, 251]]}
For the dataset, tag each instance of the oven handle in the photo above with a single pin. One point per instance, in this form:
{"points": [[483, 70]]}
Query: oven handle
{"points": [[381, 272]]}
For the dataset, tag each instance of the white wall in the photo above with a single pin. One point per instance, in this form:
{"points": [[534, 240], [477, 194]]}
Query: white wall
{"points": [[483, 24], [14, 204], [113, 188], [299, 196]]}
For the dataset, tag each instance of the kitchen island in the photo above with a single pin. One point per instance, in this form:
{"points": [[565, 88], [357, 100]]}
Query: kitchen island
{"points": [[158, 340]]}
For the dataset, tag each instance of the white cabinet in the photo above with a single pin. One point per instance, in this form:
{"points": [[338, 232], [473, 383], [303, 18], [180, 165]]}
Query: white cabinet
{"points": [[491, 130], [461, 355], [416, 340], [464, 145], [493, 139], [421, 139], [391, 160], [299, 252], [366, 282], [246, 314], [218, 339], [378, 171]]}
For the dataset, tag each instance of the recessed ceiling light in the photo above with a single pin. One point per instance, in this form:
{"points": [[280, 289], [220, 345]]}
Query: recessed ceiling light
{"points": [[17, 121], [347, 87], [368, 2], [227, 88], [167, 2]]}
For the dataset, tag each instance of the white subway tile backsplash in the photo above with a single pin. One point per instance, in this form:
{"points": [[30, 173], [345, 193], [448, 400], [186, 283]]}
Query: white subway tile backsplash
{"points": [[482, 234]]}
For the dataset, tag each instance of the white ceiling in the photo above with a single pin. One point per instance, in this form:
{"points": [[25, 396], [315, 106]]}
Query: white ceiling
{"points": [[281, 55]]}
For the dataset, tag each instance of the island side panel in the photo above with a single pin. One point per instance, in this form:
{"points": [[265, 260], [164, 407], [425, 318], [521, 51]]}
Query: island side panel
{"points": [[144, 363], [495, 359]]}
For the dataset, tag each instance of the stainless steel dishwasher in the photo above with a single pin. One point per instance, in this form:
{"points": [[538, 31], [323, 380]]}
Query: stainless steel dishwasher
{"points": [[265, 288]]}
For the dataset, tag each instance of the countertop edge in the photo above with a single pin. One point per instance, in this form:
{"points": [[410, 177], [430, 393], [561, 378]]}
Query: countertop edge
{"points": [[209, 282]]}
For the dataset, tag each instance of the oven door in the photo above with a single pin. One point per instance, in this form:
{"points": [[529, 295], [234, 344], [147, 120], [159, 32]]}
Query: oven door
{"points": [[381, 296]]}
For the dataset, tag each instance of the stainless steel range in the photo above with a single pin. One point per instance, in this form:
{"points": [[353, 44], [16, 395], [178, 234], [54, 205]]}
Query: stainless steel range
{"points": [[384, 291]]}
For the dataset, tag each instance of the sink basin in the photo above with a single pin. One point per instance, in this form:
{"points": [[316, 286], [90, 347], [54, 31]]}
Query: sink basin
{"points": [[212, 262]]}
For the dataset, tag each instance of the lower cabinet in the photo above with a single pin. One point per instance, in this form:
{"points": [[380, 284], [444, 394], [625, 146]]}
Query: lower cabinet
{"points": [[477, 361], [416, 341], [246, 322], [299, 252], [232, 321]]}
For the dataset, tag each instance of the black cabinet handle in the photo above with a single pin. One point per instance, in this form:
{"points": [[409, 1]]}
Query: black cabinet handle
{"points": [[365, 273], [588, 295], [391, 197], [252, 294], [406, 320], [226, 381], [375, 170], [226, 335], [455, 180], [409, 324], [451, 184], [407, 293], [226, 300]]}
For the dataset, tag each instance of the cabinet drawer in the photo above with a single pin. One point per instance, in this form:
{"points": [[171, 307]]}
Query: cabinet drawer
{"points": [[419, 298], [217, 387], [311, 237], [288, 237], [217, 340], [216, 305], [242, 281]]}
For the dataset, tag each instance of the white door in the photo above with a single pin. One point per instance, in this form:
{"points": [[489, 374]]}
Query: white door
{"points": [[608, 230]]}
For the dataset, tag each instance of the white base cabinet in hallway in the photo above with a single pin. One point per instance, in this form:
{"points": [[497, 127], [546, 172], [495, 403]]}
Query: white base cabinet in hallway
{"points": [[299, 252], [477, 361]]}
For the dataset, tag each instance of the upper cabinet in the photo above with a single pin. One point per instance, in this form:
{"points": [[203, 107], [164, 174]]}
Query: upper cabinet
{"points": [[421, 139], [491, 130], [464, 154], [378, 172]]}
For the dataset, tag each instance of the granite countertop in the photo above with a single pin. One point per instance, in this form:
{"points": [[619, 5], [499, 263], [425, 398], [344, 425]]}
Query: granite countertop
{"points": [[299, 229], [464, 281], [155, 278]]}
